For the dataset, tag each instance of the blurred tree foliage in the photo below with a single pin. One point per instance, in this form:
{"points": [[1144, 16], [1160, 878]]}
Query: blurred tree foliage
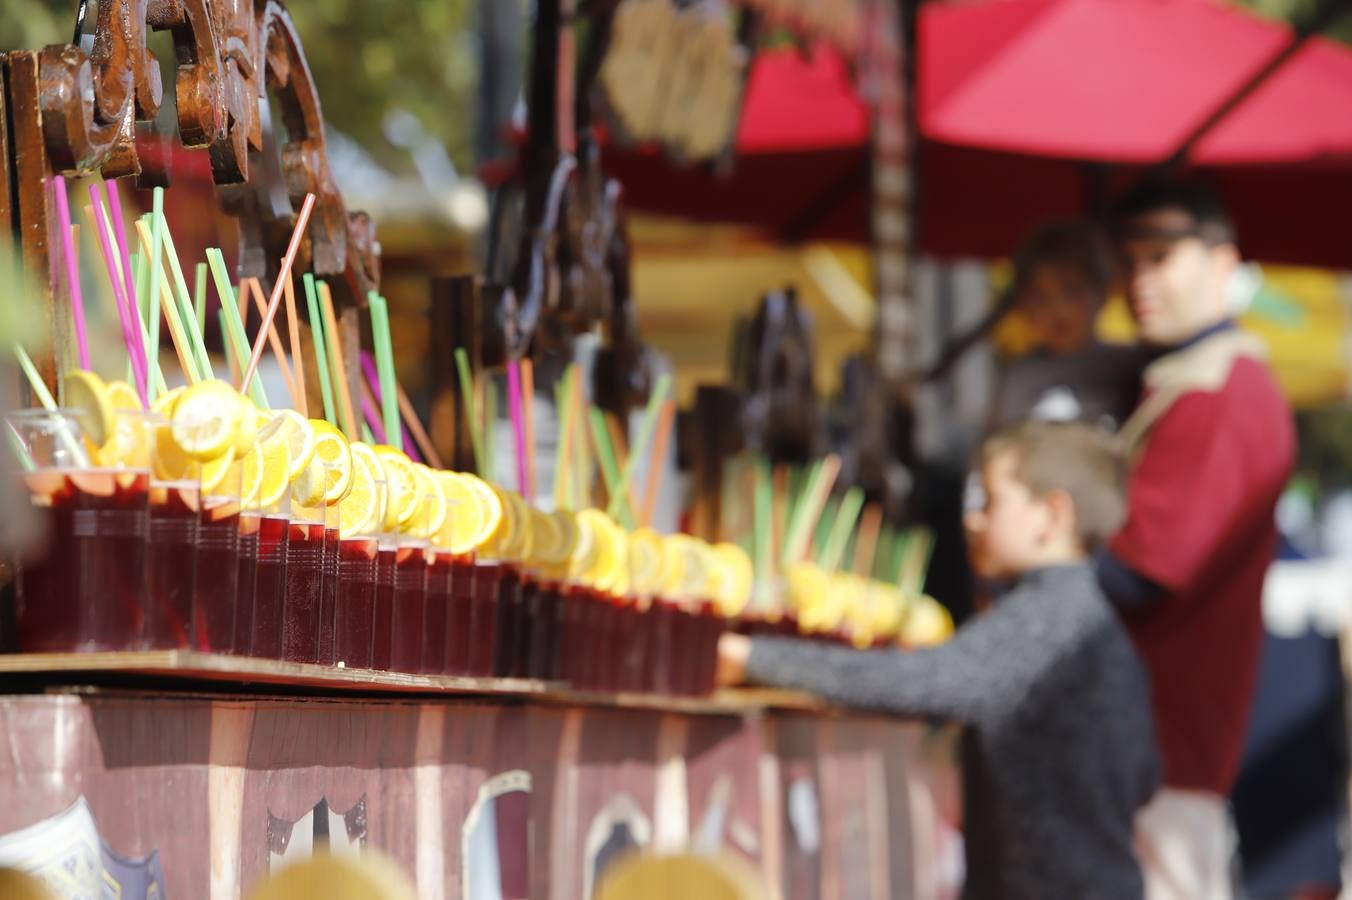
{"points": [[368, 58]]}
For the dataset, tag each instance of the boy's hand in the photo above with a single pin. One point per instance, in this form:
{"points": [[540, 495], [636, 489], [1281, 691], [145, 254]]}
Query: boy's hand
{"points": [[733, 651]]}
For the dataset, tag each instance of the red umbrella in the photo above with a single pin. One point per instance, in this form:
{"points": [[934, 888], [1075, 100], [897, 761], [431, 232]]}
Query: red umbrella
{"points": [[1037, 108]]}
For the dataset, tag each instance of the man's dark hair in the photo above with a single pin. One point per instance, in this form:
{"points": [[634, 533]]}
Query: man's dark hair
{"points": [[1070, 245], [1210, 221], [1084, 461]]}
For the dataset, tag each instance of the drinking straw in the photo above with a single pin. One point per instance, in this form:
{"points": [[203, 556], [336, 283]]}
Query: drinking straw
{"points": [[822, 530], [471, 408], [919, 548], [814, 499], [250, 287], [656, 459], [425, 451], [321, 356], [233, 326], [518, 426], [153, 264], [194, 320], [199, 296], [582, 470], [187, 359], [372, 417], [72, 270], [605, 452], [367, 435], [866, 539], [138, 267], [20, 451], [351, 427], [48, 403], [129, 330], [846, 517], [380, 336], [645, 435], [528, 405], [779, 514], [233, 352], [903, 539], [411, 446], [763, 501], [297, 360], [283, 276], [120, 233], [563, 439]]}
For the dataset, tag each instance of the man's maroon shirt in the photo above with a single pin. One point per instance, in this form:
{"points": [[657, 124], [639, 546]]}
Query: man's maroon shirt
{"points": [[1201, 526]]}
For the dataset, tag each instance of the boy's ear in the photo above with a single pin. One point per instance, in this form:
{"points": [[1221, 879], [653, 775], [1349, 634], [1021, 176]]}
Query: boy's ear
{"points": [[1061, 513]]}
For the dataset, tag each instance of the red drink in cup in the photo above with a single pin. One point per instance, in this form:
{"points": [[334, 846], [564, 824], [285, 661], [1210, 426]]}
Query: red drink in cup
{"points": [[217, 572], [507, 640], [410, 606], [274, 533], [436, 622], [248, 579], [328, 596], [355, 601], [171, 565], [304, 581], [460, 622], [484, 618], [382, 620]]}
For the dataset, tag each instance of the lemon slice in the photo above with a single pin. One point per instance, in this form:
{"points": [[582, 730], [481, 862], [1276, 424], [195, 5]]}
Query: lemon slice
{"points": [[128, 444], [645, 561], [504, 531], [734, 592], [250, 475], [359, 511], [123, 396], [94, 483], [927, 623], [432, 509], [490, 506], [332, 448], [206, 419], [522, 538], [609, 556], [173, 464], [248, 425], [275, 459], [549, 547], [402, 485], [295, 429], [307, 489], [86, 396], [697, 565], [568, 533], [164, 403], [464, 527]]}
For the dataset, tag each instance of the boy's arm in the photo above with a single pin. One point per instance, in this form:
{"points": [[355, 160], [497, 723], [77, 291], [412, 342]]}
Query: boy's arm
{"points": [[957, 680]]}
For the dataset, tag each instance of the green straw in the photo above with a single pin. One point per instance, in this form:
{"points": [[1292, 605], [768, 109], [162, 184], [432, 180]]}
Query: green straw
{"points": [[562, 391], [645, 436], [321, 355], [194, 325], [898, 561], [823, 531], [48, 402], [796, 534], [762, 531], [366, 434], [471, 409], [389, 388], [490, 422], [610, 471], [199, 297], [919, 546], [153, 283], [20, 451], [232, 326], [846, 517]]}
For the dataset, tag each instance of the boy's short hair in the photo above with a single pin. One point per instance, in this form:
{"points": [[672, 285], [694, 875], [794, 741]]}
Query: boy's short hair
{"points": [[1210, 220], [1072, 245], [1085, 462]]}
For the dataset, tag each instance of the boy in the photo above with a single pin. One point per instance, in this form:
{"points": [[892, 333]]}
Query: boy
{"points": [[1060, 749]]}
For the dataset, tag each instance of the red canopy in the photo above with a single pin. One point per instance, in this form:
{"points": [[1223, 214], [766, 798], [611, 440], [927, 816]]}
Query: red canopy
{"points": [[1022, 104]]}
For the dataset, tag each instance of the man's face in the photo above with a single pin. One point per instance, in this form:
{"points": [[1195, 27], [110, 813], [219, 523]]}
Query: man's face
{"points": [[1175, 281], [1005, 535], [1060, 309]]}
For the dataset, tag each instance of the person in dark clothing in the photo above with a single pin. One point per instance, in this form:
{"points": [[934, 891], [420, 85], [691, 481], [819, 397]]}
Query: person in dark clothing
{"points": [[1060, 750]]}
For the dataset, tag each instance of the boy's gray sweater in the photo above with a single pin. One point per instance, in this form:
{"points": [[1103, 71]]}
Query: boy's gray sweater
{"points": [[1060, 752]]}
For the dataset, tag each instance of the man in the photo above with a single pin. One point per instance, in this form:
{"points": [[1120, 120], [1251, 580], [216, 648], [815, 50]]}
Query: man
{"points": [[1211, 445]]}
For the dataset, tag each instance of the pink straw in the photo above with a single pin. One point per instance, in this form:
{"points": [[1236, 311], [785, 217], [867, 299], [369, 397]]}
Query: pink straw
{"points": [[372, 416], [518, 422], [133, 301], [72, 270], [368, 366], [138, 360]]}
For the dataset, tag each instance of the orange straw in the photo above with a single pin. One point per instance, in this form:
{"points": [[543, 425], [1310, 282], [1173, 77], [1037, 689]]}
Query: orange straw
{"points": [[655, 460], [338, 362], [252, 286], [283, 277], [297, 361]]}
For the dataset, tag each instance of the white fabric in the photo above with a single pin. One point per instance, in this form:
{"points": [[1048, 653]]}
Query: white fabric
{"points": [[1185, 842]]}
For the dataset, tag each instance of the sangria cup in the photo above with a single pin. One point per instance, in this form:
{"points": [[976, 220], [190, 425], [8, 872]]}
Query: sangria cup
{"points": [[250, 525], [328, 594], [544, 612], [218, 539], [81, 588], [301, 609], [274, 543], [711, 628], [410, 604], [382, 619], [507, 638], [437, 620], [483, 617], [168, 605], [459, 627], [355, 603]]}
